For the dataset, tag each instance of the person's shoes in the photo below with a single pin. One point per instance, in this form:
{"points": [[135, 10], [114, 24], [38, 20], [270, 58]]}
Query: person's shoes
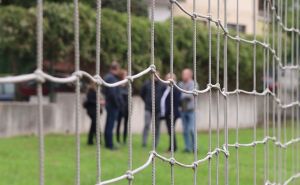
{"points": [[90, 143], [144, 145], [169, 150], [112, 148]]}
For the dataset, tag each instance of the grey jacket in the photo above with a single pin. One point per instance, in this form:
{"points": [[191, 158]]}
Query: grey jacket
{"points": [[187, 100]]}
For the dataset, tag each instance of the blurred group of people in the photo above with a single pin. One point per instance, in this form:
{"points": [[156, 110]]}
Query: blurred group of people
{"points": [[116, 105], [183, 107]]}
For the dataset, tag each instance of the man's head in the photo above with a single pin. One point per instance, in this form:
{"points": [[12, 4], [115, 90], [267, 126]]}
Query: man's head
{"points": [[170, 76], [114, 68], [187, 75]]}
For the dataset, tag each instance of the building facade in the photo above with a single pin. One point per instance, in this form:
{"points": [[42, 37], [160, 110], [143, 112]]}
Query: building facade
{"points": [[245, 13]]}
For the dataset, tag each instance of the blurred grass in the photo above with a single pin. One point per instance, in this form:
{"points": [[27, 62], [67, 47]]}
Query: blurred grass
{"points": [[19, 161]]}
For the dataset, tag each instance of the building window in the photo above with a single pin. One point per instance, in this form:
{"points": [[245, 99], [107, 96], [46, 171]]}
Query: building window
{"points": [[242, 28], [261, 5]]}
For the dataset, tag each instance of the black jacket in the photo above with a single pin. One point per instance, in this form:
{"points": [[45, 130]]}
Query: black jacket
{"points": [[146, 95], [90, 102], [176, 103], [112, 95], [124, 96]]}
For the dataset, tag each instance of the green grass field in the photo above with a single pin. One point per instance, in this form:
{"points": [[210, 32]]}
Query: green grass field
{"points": [[19, 161]]}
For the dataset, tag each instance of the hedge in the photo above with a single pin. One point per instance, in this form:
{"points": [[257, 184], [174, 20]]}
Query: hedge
{"points": [[18, 43]]}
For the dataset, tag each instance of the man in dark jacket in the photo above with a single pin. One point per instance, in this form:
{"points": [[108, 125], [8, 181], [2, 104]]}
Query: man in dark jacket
{"points": [[147, 98], [166, 109], [124, 112], [91, 107], [113, 101]]}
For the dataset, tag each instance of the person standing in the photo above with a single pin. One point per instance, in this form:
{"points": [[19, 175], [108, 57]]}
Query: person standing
{"points": [[188, 109], [166, 110], [146, 94], [90, 105], [113, 103], [123, 115]]}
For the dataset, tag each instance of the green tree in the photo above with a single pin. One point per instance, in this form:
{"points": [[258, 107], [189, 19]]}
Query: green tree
{"points": [[18, 42], [138, 7]]}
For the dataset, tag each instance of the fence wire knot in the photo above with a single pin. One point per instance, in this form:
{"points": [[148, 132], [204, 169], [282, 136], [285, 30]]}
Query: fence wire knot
{"points": [[195, 92], [130, 176], [171, 82], [195, 165], [172, 161], [153, 68], [78, 74], [236, 145], [130, 79], [98, 79], [39, 76]]}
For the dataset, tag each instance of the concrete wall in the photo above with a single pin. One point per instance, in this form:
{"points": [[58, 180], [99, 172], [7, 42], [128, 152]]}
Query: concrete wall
{"points": [[21, 118]]}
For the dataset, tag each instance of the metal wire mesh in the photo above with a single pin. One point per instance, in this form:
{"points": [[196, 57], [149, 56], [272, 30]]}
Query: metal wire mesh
{"points": [[275, 62]]}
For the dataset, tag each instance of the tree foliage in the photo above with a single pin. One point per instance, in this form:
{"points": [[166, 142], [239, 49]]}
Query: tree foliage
{"points": [[138, 7], [18, 42]]}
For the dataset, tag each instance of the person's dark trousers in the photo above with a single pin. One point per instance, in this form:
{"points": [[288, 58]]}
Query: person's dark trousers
{"points": [[92, 131], [111, 118], [125, 116], [147, 128], [168, 121]]}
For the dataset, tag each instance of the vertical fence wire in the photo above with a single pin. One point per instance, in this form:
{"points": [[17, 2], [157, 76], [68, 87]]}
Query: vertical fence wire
{"points": [[153, 114], [77, 104], [210, 92], [279, 92], [98, 116], [267, 85], [225, 89], [172, 89], [292, 89], [264, 87], [218, 93], [297, 88], [285, 92], [237, 94], [254, 89], [274, 108], [39, 16], [195, 88], [129, 66]]}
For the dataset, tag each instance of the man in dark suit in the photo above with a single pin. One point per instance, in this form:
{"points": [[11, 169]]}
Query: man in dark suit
{"points": [[166, 111], [91, 107], [146, 94], [113, 101]]}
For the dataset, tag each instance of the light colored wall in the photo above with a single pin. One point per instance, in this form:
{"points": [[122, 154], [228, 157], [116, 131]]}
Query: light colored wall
{"points": [[161, 13], [22, 118], [245, 12]]}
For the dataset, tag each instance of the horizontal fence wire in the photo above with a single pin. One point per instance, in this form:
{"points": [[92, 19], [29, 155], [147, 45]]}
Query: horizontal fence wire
{"points": [[272, 12]]}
